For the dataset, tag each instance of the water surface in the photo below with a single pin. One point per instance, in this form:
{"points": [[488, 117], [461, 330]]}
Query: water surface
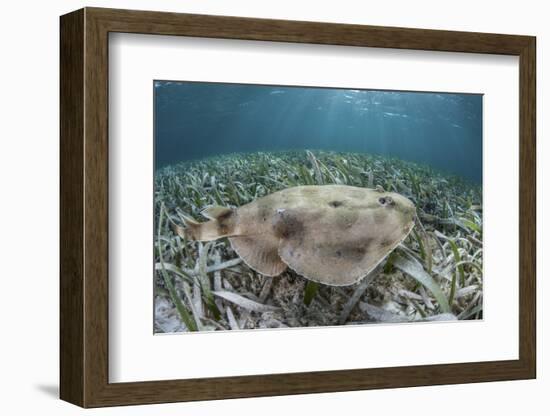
{"points": [[195, 120]]}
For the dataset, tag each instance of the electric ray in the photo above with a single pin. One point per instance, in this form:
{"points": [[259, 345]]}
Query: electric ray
{"points": [[331, 234]]}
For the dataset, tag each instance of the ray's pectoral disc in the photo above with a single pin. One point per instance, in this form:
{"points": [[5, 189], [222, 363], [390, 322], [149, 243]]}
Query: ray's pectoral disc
{"points": [[332, 234]]}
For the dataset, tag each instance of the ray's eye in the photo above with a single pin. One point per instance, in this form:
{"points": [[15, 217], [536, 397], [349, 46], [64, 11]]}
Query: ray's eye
{"points": [[385, 200]]}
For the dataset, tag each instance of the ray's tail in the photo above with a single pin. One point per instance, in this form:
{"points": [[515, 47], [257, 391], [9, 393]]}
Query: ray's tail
{"points": [[221, 224], [191, 231]]}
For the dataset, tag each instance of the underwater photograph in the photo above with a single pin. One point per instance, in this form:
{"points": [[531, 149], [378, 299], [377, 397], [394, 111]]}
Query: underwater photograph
{"points": [[292, 206]]}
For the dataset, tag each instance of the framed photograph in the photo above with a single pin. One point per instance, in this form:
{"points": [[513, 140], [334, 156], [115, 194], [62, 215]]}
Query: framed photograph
{"points": [[254, 207]]}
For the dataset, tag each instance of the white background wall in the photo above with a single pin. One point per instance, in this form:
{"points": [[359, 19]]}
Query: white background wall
{"points": [[29, 205]]}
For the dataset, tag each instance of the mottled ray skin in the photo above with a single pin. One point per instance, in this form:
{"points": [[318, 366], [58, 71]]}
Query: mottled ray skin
{"points": [[332, 234]]}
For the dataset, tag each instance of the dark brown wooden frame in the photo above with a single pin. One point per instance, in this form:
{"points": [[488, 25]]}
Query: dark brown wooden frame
{"points": [[84, 209]]}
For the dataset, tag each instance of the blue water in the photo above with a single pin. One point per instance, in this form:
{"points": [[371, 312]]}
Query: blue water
{"points": [[194, 120]]}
